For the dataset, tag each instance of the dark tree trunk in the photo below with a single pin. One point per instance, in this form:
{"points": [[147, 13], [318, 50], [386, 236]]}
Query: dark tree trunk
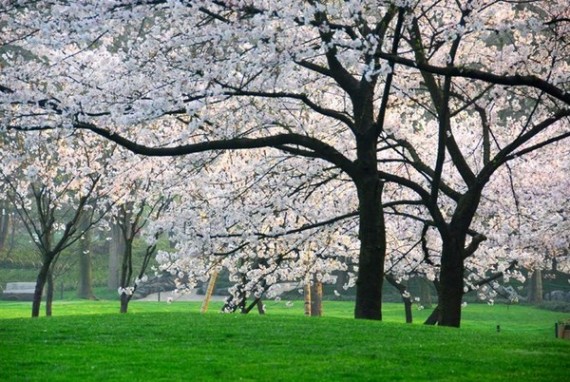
{"points": [[433, 317], [126, 273], [40, 283], [405, 297], [408, 309], [451, 281], [260, 307], [372, 249], [125, 299], [49, 293]]}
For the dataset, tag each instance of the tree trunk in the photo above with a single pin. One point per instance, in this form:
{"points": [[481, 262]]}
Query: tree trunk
{"points": [[125, 298], [307, 295], [372, 237], [433, 317], [341, 278], [535, 289], [451, 281], [425, 292], [260, 307], [117, 248], [406, 298], [85, 287], [408, 309], [126, 274], [4, 225], [49, 293], [38, 292], [316, 298]]}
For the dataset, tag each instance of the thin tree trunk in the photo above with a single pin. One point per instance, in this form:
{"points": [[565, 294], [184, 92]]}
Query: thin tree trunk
{"points": [[38, 292], [49, 293], [117, 248], [316, 298], [307, 294], [260, 307], [85, 286], [405, 297], [425, 292], [126, 273], [4, 225]]}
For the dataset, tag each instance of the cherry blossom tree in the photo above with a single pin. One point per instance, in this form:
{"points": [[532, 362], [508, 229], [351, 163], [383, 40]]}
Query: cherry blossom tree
{"points": [[533, 119], [356, 85], [51, 187], [140, 203]]}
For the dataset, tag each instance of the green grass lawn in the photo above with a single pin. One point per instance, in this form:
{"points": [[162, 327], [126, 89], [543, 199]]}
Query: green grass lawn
{"points": [[89, 340]]}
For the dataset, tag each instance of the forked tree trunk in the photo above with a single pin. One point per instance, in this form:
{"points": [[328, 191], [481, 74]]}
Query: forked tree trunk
{"points": [[372, 249]]}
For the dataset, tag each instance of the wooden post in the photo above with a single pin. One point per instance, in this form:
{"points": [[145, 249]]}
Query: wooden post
{"points": [[209, 292]]}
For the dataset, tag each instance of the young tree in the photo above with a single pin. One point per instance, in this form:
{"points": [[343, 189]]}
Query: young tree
{"points": [[51, 189]]}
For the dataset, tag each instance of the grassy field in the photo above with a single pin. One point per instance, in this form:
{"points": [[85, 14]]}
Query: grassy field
{"points": [[173, 342]]}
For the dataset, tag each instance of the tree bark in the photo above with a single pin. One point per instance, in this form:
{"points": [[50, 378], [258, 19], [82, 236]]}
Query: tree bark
{"points": [[433, 317], [307, 295], [125, 298], [316, 298], [49, 293], [406, 298], [38, 292], [451, 281], [372, 249]]}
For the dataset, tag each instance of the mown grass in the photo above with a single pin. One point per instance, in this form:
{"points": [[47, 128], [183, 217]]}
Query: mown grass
{"points": [[173, 342]]}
